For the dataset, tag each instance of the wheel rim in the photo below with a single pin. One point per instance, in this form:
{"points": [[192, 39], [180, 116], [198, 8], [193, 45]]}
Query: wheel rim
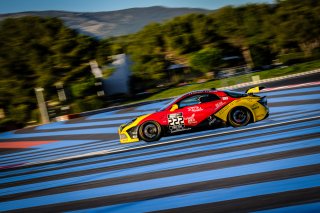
{"points": [[150, 131], [239, 116]]}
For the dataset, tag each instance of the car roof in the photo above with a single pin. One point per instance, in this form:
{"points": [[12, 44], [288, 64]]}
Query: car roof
{"points": [[213, 91], [195, 92]]}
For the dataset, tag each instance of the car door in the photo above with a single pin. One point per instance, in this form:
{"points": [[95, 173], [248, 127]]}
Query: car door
{"points": [[182, 118], [193, 110], [203, 109]]}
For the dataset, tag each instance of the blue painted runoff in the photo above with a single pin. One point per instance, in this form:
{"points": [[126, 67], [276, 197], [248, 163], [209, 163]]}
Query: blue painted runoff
{"points": [[162, 149], [301, 161], [303, 208], [211, 196]]}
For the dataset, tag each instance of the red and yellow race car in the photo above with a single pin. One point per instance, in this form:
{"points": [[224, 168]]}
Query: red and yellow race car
{"points": [[196, 111]]}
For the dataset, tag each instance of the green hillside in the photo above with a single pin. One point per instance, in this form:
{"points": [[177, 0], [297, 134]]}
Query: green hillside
{"points": [[44, 52]]}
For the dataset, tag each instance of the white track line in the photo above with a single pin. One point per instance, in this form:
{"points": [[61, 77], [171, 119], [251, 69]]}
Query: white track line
{"points": [[292, 86], [271, 79]]}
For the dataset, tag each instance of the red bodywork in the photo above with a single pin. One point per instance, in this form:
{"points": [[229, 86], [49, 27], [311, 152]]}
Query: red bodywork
{"points": [[192, 115]]}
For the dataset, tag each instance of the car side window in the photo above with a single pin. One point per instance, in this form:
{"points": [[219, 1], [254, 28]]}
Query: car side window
{"points": [[197, 99], [208, 98], [192, 100]]}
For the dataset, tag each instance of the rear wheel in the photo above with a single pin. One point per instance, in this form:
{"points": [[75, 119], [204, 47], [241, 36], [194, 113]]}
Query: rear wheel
{"points": [[239, 116], [150, 131]]}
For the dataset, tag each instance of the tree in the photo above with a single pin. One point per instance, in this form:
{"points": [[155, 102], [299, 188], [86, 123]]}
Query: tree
{"points": [[261, 55], [243, 26], [146, 49], [207, 60], [38, 52], [103, 52], [297, 25]]}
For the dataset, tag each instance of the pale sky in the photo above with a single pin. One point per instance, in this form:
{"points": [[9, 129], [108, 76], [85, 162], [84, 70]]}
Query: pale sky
{"points": [[12, 6]]}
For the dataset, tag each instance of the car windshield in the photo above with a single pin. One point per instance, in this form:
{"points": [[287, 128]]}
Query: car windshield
{"points": [[168, 104]]}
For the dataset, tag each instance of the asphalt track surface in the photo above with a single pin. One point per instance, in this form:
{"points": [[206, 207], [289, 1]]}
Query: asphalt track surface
{"points": [[269, 166]]}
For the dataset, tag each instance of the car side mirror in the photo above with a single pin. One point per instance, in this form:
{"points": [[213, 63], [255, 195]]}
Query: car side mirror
{"points": [[174, 107]]}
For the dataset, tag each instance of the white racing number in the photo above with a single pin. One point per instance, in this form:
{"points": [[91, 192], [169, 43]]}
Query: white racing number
{"points": [[176, 122]]}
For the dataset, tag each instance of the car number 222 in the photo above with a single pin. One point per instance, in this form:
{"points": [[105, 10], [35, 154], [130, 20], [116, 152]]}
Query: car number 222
{"points": [[176, 122]]}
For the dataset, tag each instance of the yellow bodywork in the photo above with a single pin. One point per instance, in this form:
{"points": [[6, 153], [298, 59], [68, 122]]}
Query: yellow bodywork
{"points": [[123, 130], [258, 111], [254, 90]]}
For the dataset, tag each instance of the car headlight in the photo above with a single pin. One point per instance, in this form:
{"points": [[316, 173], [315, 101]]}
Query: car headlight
{"points": [[123, 136]]}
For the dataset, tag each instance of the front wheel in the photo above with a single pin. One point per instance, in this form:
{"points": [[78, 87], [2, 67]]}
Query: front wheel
{"points": [[150, 131], [239, 116]]}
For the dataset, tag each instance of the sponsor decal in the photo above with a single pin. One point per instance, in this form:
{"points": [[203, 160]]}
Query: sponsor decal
{"points": [[195, 109], [255, 106], [225, 98], [250, 100], [176, 122], [191, 119], [218, 105]]}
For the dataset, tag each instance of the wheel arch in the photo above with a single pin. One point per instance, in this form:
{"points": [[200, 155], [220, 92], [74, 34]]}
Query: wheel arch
{"points": [[146, 121], [224, 112], [251, 117]]}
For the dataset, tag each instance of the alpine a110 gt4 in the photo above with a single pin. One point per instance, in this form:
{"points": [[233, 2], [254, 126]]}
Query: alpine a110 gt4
{"points": [[197, 110]]}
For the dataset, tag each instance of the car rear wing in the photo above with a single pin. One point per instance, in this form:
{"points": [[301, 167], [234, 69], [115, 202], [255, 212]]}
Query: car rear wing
{"points": [[255, 89]]}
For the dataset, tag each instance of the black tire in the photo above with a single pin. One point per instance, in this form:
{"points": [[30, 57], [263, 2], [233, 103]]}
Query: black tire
{"points": [[239, 116], [150, 131]]}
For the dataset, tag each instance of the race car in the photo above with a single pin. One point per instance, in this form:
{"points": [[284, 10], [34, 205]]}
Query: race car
{"points": [[195, 111]]}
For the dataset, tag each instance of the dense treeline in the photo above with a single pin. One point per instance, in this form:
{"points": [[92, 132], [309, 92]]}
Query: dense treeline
{"points": [[259, 34], [38, 52]]}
